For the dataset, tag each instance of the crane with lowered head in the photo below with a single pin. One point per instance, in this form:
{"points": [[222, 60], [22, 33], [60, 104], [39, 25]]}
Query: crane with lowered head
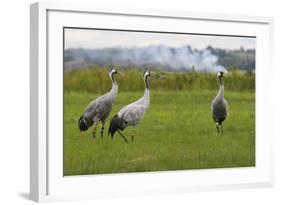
{"points": [[99, 109]]}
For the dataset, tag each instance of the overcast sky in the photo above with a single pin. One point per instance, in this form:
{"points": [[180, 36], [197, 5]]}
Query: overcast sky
{"points": [[86, 38]]}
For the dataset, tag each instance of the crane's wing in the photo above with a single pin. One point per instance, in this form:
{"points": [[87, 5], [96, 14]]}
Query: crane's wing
{"points": [[219, 110], [99, 107], [133, 114], [226, 106]]}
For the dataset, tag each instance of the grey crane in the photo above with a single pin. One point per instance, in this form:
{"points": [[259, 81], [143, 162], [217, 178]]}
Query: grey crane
{"points": [[131, 114], [99, 109], [219, 105]]}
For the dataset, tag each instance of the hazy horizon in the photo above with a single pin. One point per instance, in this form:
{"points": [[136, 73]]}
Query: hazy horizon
{"points": [[99, 39]]}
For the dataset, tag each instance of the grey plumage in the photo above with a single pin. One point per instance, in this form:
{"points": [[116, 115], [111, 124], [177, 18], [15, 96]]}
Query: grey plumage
{"points": [[131, 114], [219, 105], [99, 109]]}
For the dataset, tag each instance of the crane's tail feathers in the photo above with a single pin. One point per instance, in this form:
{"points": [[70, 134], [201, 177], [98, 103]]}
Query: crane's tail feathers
{"points": [[116, 124]]}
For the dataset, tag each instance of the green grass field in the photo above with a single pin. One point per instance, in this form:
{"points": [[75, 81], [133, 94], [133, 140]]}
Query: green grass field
{"points": [[177, 133]]}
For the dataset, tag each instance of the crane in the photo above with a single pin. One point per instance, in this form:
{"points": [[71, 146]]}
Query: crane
{"points": [[219, 105], [99, 109], [131, 114]]}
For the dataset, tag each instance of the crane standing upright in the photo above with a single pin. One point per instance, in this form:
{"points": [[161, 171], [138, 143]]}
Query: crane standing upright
{"points": [[131, 114], [219, 105]]}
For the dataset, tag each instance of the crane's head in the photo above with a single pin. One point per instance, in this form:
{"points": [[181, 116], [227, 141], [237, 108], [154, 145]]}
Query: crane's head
{"points": [[146, 74], [220, 74], [82, 124], [116, 124], [112, 72]]}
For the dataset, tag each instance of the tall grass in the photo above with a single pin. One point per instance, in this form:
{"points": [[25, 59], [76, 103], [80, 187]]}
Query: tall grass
{"points": [[97, 81]]}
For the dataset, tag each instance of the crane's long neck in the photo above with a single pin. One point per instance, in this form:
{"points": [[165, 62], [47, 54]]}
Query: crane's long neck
{"points": [[114, 88], [221, 90], [145, 97]]}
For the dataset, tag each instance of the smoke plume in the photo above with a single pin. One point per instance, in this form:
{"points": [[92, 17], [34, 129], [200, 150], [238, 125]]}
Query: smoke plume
{"points": [[181, 58]]}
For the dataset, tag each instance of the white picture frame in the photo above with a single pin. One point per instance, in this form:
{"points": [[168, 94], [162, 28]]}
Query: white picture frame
{"points": [[46, 179]]}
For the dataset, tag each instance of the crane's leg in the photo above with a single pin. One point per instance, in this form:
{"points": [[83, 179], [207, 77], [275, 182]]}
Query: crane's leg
{"points": [[221, 130], [133, 133], [95, 124], [217, 126], [122, 136], [102, 128]]}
